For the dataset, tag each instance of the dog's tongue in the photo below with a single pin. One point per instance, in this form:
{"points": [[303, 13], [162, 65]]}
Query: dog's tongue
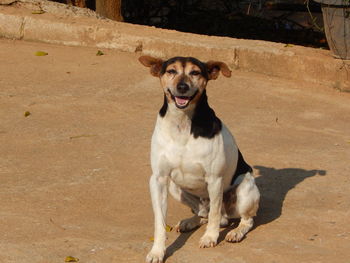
{"points": [[181, 101]]}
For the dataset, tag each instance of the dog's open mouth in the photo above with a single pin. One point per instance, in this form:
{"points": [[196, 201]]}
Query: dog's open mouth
{"points": [[182, 101]]}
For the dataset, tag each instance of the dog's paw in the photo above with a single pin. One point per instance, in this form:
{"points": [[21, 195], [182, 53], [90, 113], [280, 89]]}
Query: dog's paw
{"points": [[188, 224], [155, 256], [208, 241], [239, 232], [235, 235]]}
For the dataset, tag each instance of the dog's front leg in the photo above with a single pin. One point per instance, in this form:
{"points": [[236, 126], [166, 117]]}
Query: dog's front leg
{"points": [[158, 187], [215, 190]]}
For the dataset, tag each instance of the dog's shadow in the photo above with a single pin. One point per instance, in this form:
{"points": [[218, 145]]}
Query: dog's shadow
{"points": [[178, 243], [274, 184]]}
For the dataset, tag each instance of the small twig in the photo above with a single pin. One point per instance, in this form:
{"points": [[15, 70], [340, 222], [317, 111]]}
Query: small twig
{"points": [[61, 227], [313, 19], [82, 135], [248, 11]]}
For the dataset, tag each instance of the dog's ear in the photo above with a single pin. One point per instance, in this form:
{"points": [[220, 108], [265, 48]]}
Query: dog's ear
{"points": [[154, 63], [214, 67]]}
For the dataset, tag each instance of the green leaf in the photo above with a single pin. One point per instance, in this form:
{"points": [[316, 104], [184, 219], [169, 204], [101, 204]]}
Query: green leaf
{"points": [[41, 53], [99, 53], [26, 114]]}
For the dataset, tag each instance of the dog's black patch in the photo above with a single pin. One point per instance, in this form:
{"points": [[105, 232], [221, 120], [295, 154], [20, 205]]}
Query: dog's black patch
{"points": [[204, 121], [242, 167], [164, 108], [184, 60]]}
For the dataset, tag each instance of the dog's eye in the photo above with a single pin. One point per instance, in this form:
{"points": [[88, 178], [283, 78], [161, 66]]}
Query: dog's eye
{"points": [[171, 71], [195, 73]]}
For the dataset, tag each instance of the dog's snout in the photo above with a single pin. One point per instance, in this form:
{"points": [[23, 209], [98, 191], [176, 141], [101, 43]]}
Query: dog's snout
{"points": [[182, 87]]}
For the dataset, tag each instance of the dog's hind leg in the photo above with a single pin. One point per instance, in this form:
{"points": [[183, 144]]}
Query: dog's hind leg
{"points": [[245, 207], [197, 206], [190, 223]]}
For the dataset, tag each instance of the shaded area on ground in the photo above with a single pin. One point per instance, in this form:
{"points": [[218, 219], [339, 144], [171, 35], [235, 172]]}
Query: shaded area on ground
{"points": [[274, 184], [178, 243]]}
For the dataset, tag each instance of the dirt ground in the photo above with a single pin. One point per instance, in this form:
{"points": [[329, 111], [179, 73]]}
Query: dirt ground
{"points": [[74, 173]]}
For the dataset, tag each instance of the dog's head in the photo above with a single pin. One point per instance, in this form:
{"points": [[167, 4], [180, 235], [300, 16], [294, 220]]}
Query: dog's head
{"points": [[184, 79]]}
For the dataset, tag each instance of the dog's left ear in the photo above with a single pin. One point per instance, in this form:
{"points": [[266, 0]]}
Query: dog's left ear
{"points": [[154, 63], [214, 67]]}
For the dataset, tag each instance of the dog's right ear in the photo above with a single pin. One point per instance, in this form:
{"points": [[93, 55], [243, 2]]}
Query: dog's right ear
{"points": [[154, 63]]}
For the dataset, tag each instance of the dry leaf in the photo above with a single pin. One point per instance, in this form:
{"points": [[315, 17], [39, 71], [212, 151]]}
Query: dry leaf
{"points": [[41, 53], [71, 259], [99, 53], [168, 228], [38, 12], [26, 114], [288, 45]]}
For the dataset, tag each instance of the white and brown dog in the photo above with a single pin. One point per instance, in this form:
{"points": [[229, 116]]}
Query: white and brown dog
{"points": [[195, 157]]}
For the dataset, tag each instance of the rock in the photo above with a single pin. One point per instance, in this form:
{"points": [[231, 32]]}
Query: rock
{"points": [[7, 2]]}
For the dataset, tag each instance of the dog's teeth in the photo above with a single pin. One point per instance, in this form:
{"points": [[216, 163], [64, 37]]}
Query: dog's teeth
{"points": [[181, 101]]}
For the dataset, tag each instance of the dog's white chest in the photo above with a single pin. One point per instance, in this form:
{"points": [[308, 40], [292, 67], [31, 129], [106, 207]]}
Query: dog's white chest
{"points": [[184, 158], [189, 176], [186, 155]]}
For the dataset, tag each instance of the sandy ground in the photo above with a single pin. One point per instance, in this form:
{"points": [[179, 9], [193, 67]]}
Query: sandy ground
{"points": [[74, 173]]}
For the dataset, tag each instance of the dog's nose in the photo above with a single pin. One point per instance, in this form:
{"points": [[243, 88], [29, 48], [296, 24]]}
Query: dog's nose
{"points": [[182, 87]]}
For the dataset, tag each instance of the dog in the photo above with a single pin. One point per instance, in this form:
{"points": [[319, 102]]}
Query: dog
{"points": [[195, 158]]}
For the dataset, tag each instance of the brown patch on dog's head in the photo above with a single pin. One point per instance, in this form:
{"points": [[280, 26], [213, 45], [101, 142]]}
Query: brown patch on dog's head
{"points": [[184, 79]]}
